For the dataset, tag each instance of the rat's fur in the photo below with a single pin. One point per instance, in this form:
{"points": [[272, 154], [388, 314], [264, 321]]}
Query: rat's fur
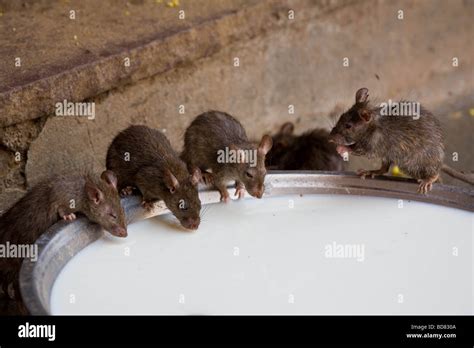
{"points": [[51, 200], [415, 145], [308, 151], [215, 131], [157, 171]]}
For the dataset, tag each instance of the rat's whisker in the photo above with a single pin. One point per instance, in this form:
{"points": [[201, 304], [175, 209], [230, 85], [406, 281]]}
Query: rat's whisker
{"points": [[204, 211]]}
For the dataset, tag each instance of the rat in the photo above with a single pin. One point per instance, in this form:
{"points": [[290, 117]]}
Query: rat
{"points": [[413, 142], [59, 198], [216, 143], [143, 158], [308, 151]]}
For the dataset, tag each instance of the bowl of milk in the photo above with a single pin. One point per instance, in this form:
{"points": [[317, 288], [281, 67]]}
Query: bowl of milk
{"points": [[315, 244]]}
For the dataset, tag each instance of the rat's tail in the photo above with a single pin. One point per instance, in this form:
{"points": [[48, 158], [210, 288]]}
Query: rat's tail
{"points": [[469, 178]]}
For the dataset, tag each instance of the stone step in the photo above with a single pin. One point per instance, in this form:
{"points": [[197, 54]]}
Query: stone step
{"points": [[190, 65], [48, 57]]}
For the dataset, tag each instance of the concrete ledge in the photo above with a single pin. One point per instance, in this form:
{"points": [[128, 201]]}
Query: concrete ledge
{"points": [[32, 91]]}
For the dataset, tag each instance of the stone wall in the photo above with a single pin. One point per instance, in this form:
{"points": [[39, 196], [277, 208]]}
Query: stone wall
{"points": [[281, 62]]}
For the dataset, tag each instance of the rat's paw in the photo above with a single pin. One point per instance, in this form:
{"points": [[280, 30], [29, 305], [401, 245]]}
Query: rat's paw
{"points": [[127, 191], [225, 197], [239, 192], [363, 173], [69, 217], [10, 291], [6, 290], [425, 186], [148, 205], [207, 178], [370, 173]]}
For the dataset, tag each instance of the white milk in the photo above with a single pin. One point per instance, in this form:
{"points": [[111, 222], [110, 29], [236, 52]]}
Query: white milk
{"points": [[273, 256]]}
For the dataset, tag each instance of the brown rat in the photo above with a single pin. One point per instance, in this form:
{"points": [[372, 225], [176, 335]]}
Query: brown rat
{"points": [[61, 197], [142, 157], [308, 151], [217, 144], [413, 142]]}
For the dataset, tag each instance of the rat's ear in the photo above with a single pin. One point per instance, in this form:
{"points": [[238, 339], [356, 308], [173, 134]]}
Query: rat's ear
{"points": [[109, 177], [93, 193], [265, 144], [362, 95], [170, 181], [365, 115], [195, 176], [287, 128], [234, 147]]}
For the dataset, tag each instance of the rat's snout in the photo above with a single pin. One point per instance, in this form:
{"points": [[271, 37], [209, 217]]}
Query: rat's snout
{"points": [[336, 138], [191, 223], [119, 231], [258, 193]]}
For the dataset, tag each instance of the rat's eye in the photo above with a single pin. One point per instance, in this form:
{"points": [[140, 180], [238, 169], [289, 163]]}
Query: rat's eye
{"points": [[113, 216], [348, 125], [249, 175]]}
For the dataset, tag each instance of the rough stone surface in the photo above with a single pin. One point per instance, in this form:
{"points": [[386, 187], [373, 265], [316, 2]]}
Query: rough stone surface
{"points": [[77, 59], [15, 141], [298, 64], [19, 136]]}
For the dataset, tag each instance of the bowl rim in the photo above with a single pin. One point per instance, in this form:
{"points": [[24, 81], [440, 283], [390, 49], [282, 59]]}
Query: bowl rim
{"points": [[62, 241]]}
